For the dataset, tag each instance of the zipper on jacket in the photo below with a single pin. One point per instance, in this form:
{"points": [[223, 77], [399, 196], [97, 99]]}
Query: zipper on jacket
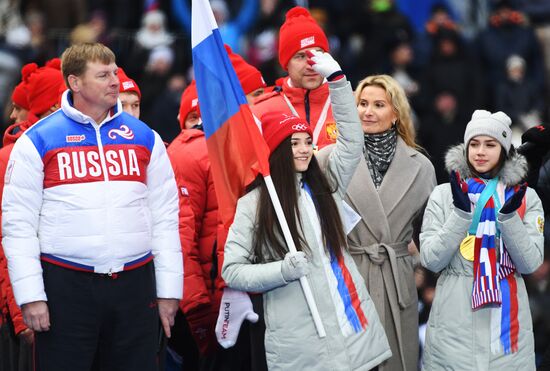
{"points": [[105, 177], [306, 106], [101, 153]]}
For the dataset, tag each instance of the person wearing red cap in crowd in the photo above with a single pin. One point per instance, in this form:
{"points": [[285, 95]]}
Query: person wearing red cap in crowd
{"points": [[89, 203], [257, 259], [47, 80], [129, 95], [249, 76], [303, 92], [19, 97], [44, 87], [191, 164]]}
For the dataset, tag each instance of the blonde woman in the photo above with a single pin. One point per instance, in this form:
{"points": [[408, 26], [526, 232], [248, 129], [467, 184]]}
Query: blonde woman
{"points": [[389, 191]]}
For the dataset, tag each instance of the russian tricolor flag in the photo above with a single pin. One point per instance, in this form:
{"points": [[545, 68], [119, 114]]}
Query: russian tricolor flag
{"points": [[237, 150]]}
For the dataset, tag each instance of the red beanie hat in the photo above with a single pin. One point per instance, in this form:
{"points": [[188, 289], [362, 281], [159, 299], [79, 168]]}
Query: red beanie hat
{"points": [[298, 32], [249, 76], [44, 87], [127, 85], [189, 103], [20, 93], [277, 126]]}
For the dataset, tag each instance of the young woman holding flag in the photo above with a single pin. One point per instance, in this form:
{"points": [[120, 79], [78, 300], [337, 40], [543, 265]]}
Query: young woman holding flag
{"points": [[482, 233], [257, 259]]}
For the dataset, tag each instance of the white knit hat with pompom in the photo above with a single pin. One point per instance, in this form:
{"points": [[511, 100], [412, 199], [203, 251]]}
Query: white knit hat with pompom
{"points": [[495, 125]]}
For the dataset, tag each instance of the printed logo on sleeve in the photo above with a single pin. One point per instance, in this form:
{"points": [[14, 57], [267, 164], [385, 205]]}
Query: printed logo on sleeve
{"points": [[540, 224], [9, 170], [332, 131], [184, 191]]}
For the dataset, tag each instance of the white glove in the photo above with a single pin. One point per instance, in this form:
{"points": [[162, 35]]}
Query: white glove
{"points": [[294, 266], [235, 307], [324, 64]]}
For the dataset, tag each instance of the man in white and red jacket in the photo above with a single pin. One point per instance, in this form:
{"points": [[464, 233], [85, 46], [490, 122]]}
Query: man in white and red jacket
{"points": [[304, 92], [90, 201]]}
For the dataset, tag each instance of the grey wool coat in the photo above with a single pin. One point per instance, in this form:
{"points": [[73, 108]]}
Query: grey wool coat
{"points": [[378, 244], [291, 340], [457, 337]]}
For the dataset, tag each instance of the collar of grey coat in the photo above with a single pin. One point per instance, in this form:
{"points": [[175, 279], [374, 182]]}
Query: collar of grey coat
{"points": [[401, 174], [512, 173]]}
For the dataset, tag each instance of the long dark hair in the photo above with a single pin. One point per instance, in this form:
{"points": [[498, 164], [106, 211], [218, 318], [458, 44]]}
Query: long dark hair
{"points": [[268, 231]]}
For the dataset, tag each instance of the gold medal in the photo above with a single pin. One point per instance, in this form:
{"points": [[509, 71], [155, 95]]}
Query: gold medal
{"points": [[467, 247]]}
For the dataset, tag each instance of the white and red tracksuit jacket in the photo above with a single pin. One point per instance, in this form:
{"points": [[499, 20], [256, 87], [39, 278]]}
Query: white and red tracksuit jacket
{"points": [[99, 198]]}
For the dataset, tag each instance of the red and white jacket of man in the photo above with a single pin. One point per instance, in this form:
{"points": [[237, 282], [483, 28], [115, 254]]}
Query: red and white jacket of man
{"points": [[8, 306], [311, 105], [92, 197]]}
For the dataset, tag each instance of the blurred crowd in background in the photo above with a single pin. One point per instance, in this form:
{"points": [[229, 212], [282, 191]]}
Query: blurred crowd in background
{"points": [[451, 56]]}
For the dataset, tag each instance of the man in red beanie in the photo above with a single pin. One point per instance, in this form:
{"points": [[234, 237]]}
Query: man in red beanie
{"points": [[129, 94], [15, 337], [20, 103], [189, 115], [90, 225], [250, 77], [19, 97], [44, 87], [303, 92], [189, 156]]}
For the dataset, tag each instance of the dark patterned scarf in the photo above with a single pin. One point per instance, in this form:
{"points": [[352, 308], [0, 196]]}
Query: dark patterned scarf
{"points": [[379, 150]]}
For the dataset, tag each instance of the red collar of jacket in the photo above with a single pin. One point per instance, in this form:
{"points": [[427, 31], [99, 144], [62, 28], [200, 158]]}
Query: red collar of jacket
{"points": [[297, 95], [14, 131]]}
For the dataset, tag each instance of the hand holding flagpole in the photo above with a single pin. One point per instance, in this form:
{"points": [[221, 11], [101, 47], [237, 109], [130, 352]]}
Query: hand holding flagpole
{"points": [[292, 248], [229, 127]]}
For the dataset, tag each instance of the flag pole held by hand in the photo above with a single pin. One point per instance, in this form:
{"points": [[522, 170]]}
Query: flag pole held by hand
{"points": [[292, 248]]}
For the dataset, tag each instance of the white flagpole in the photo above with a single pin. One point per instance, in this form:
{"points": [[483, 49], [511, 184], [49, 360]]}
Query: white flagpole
{"points": [[207, 17], [292, 248]]}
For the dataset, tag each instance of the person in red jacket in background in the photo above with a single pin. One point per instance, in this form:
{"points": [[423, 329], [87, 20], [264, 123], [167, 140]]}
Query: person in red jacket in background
{"points": [[36, 97], [189, 156], [129, 94], [303, 92]]}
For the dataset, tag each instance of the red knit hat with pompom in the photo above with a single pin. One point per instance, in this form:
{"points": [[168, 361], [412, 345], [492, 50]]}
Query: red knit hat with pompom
{"points": [[189, 103], [298, 32], [20, 92], [249, 76], [44, 87], [277, 126]]}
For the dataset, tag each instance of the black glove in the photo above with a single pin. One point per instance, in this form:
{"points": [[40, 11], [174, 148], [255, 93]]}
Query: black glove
{"points": [[460, 192], [538, 134], [535, 142], [514, 202]]}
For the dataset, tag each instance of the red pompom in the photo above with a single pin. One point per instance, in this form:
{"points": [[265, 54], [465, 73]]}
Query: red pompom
{"points": [[54, 63], [297, 11], [27, 70]]}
